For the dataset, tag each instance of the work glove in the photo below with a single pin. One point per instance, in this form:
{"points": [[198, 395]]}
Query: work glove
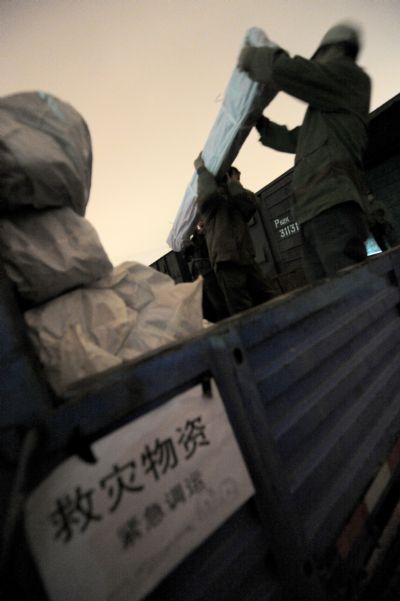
{"points": [[258, 61], [245, 58], [199, 163], [255, 38], [261, 124]]}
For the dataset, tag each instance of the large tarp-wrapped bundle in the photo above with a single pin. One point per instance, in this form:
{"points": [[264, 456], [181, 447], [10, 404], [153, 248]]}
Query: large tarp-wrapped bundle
{"points": [[45, 153], [83, 316], [133, 310], [243, 103], [46, 244], [46, 253]]}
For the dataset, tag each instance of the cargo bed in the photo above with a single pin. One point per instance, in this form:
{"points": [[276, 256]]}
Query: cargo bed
{"points": [[310, 383]]}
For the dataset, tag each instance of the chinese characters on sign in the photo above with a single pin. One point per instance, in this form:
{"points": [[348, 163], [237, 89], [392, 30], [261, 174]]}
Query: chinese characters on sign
{"points": [[73, 512], [160, 486], [154, 513]]}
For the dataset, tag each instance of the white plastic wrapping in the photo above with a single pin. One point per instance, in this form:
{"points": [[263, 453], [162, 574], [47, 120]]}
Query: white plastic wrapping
{"points": [[243, 103], [133, 310], [45, 153], [46, 253]]}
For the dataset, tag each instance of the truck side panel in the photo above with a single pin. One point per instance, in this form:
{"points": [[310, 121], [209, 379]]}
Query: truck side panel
{"points": [[310, 383]]}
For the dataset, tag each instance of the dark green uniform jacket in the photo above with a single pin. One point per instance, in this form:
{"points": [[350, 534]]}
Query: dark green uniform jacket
{"points": [[226, 209], [330, 144]]}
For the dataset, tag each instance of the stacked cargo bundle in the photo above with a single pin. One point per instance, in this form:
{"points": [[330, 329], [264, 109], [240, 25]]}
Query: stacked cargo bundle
{"points": [[83, 316]]}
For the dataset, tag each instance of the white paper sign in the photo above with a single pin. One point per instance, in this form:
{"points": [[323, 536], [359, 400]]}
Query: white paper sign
{"points": [[110, 531]]}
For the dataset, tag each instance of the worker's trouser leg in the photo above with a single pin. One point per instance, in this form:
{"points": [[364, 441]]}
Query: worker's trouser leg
{"points": [[243, 286], [334, 239], [214, 304]]}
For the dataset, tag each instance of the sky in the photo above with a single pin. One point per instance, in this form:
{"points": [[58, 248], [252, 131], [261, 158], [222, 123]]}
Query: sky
{"points": [[149, 76]]}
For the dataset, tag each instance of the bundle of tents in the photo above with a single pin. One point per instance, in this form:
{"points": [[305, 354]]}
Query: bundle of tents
{"points": [[244, 101]]}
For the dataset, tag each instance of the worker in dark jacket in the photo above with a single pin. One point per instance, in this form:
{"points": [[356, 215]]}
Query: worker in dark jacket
{"points": [[328, 180], [226, 207], [196, 254]]}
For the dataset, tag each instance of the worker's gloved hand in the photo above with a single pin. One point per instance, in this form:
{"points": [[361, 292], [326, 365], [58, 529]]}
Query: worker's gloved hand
{"points": [[198, 163], [245, 58], [257, 37], [258, 61], [261, 124]]}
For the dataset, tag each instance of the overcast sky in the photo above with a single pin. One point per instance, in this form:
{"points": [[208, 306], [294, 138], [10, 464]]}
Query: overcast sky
{"points": [[149, 76]]}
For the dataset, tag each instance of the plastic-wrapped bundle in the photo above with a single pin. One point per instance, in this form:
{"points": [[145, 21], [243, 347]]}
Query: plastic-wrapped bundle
{"points": [[46, 253], [243, 103], [133, 310], [45, 154]]}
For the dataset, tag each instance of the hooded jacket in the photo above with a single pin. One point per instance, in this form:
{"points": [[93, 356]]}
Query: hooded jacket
{"points": [[330, 143], [226, 209]]}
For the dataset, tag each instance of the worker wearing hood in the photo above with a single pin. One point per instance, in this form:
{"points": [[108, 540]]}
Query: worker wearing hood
{"points": [[328, 180]]}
